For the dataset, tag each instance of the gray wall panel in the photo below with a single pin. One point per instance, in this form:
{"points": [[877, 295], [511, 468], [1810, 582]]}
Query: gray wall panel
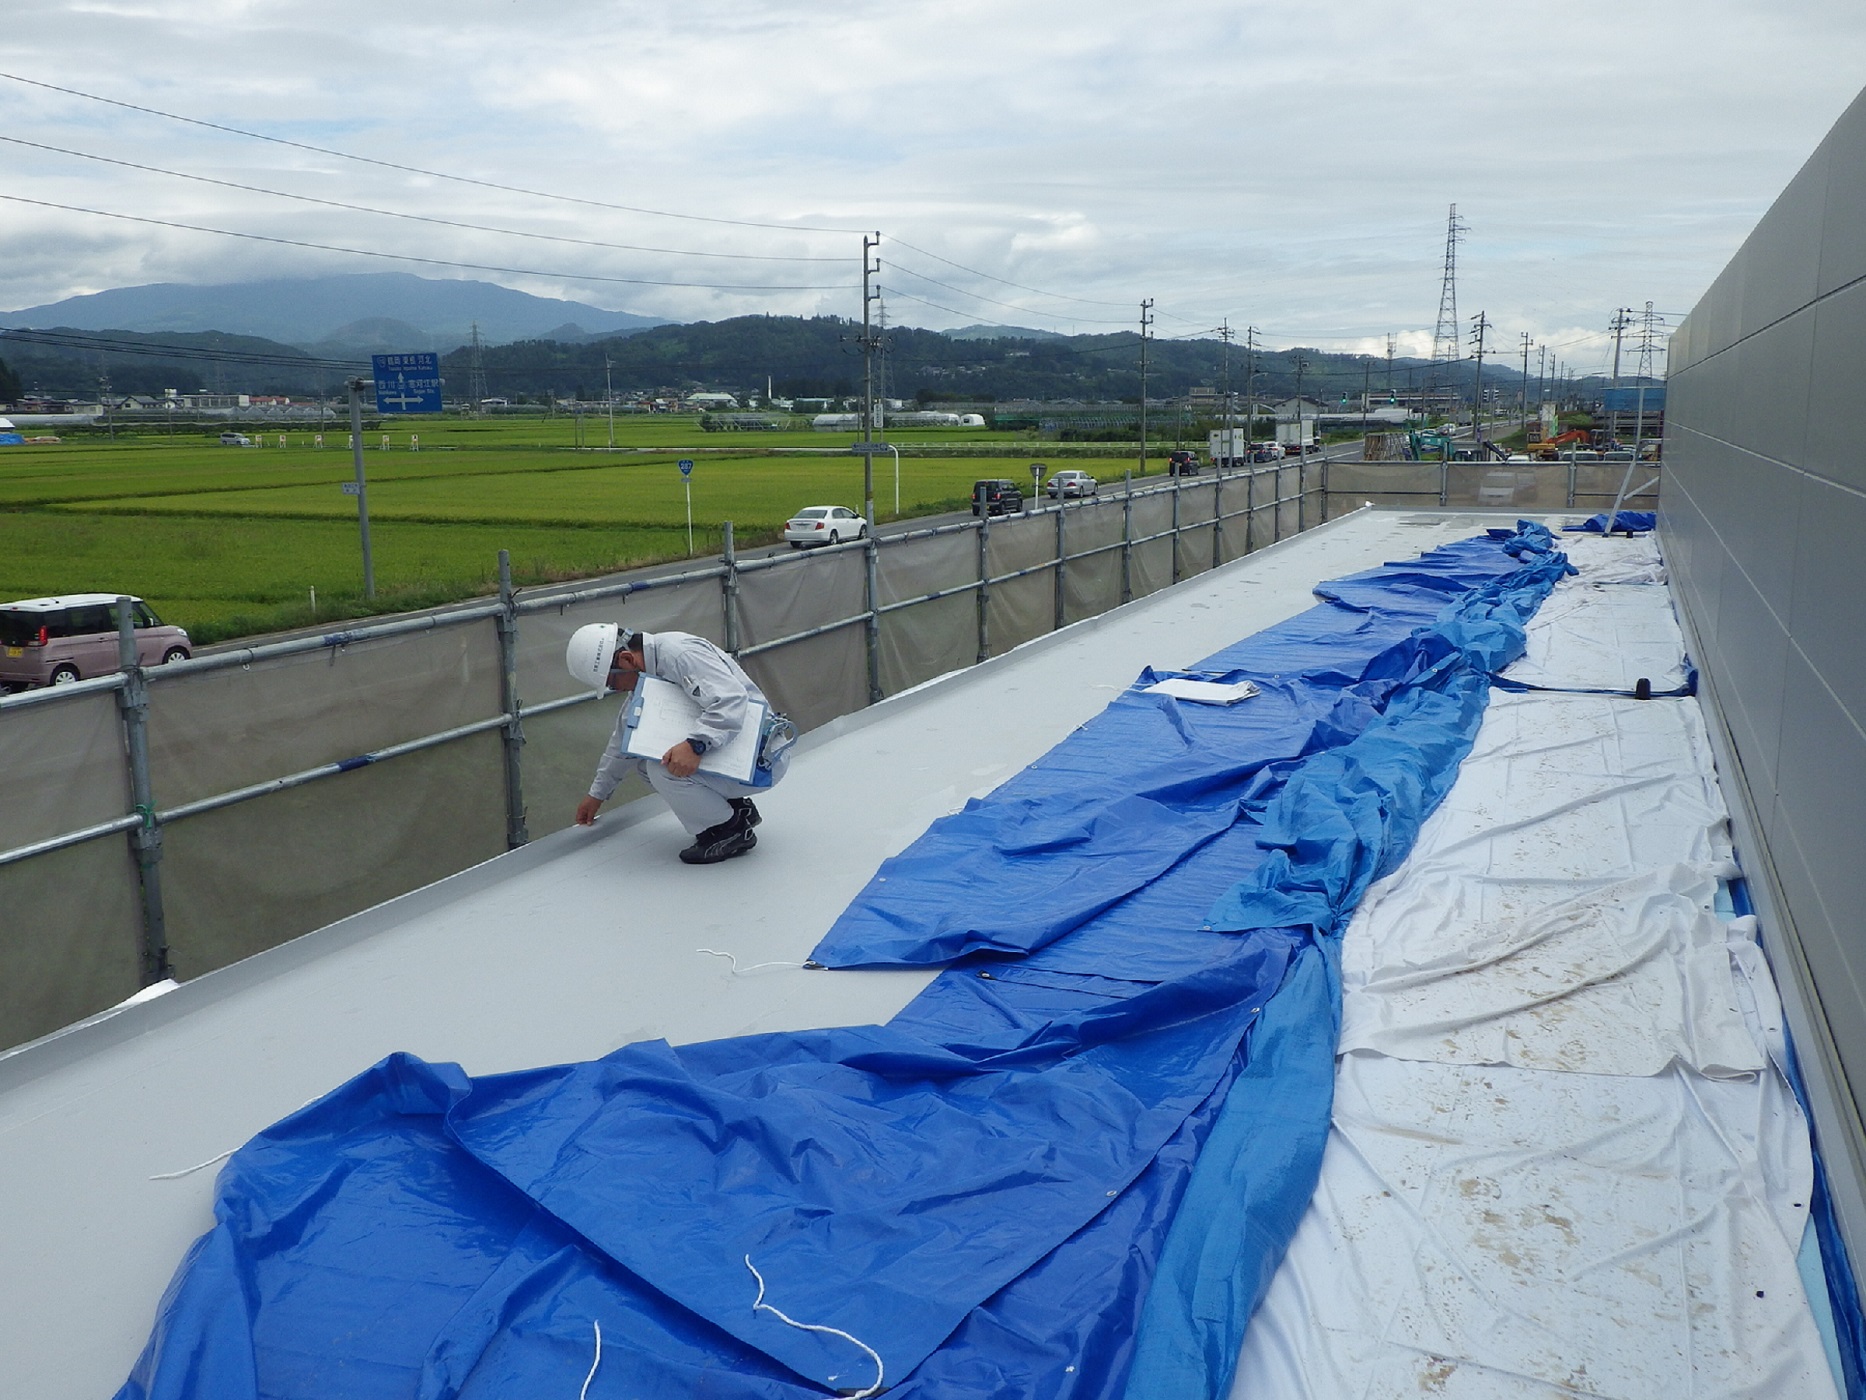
{"points": [[1830, 582], [1769, 505], [1782, 256], [1764, 508], [1723, 307], [1822, 787], [1843, 230], [1835, 429], [1768, 402], [1751, 649], [1835, 978]]}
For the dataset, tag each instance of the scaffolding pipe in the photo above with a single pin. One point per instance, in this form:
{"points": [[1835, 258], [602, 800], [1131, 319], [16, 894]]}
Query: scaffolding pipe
{"points": [[513, 738], [145, 836]]}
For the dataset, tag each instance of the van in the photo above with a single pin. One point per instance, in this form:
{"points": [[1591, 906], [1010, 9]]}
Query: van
{"points": [[997, 497], [54, 641]]}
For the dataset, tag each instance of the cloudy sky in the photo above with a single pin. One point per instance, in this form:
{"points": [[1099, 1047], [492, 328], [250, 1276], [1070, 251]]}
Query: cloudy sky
{"points": [[1283, 164]]}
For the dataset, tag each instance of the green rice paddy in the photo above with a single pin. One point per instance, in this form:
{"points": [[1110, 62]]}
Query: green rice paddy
{"points": [[231, 542]]}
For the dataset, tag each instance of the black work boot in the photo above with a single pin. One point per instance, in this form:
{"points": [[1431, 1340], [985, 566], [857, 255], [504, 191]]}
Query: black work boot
{"points": [[743, 807], [732, 837]]}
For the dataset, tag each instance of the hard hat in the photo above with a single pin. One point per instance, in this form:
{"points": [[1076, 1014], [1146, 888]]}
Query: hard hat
{"points": [[589, 653]]}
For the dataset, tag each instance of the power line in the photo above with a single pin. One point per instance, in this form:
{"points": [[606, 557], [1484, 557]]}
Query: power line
{"points": [[990, 277], [415, 169], [1021, 310], [418, 218], [428, 262]]}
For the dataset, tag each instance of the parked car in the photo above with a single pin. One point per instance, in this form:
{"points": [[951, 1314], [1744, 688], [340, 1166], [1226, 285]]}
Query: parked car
{"points": [[235, 440], [54, 641], [997, 497], [1182, 462], [1072, 483], [824, 525]]}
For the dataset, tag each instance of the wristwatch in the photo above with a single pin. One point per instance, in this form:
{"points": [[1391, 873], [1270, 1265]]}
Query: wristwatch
{"points": [[699, 746]]}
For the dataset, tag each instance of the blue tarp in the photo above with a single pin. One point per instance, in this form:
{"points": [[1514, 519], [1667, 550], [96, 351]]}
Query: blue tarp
{"points": [[1127, 1071], [1633, 522]]}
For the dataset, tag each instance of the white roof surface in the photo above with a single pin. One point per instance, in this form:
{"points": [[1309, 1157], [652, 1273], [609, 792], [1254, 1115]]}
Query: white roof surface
{"points": [[580, 942]]}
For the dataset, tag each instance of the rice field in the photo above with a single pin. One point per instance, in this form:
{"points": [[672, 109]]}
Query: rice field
{"points": [[231, 542]]}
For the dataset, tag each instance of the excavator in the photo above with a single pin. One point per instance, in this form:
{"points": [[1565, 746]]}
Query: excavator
{"points": [[1551, 449], [1429, 444]]}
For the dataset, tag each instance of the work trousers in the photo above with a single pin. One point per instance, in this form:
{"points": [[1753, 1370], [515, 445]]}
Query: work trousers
{"points": [[700, 801]]}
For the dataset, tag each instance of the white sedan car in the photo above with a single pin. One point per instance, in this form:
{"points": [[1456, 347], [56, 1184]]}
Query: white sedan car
{"points": [[1071, 483], [824, 525]]}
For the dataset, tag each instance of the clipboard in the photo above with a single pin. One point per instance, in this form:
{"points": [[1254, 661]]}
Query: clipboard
{"points": [[1203, 692], [660, 715]]}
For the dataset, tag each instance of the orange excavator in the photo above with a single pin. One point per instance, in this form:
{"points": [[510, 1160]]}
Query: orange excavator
{"points": [[1551, 449]]}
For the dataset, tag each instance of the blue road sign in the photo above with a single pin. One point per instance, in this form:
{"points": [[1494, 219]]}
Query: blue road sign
{"points": [[408, 383], [686, 466]]}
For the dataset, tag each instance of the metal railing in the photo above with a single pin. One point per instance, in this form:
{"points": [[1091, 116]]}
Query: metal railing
{"points": [[1235, 496]]}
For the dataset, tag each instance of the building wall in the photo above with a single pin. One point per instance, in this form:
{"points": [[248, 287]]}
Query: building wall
{"points": [[1764, 521]]}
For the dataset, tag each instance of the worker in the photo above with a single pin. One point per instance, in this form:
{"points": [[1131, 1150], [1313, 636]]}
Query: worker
{"points": [[717, 811]]}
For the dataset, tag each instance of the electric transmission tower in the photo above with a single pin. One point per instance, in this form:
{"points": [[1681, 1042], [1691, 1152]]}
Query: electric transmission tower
{"points": [[1448, 338], [1649, 323], [477, 374]]}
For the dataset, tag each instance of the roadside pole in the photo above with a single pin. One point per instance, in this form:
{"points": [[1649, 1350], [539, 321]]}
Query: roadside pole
{"points": [[361, 491], [686, 481]]}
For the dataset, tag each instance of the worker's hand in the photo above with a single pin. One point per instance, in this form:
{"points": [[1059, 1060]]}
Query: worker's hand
{"points": [[681, 760], [587, 810]]}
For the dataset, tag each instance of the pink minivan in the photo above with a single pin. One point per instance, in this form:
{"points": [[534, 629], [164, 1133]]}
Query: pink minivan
{"points": [[54, 641]]}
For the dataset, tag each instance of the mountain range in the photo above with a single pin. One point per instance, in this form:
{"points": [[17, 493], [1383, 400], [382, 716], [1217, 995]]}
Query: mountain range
{"points": [[342, 316]]}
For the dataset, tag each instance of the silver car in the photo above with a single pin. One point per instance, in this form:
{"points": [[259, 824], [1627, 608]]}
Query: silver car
{"points": [[824, 525], [1071, 483], [54, 641]]}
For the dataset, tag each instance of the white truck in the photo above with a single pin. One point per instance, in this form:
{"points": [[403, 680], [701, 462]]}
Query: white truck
{"points": [[1299, 437], [1228, 447]]}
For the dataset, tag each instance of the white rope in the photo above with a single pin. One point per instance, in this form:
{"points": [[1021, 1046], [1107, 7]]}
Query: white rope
{"points": [[190, 1171], [738, 971], [760, 1305], [584, 1393]]}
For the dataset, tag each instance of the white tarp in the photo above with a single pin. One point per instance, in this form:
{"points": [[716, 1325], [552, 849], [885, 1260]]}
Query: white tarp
{"points": [[1563, 1161]]}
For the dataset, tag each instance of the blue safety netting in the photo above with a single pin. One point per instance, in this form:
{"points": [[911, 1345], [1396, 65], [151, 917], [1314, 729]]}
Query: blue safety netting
{"points": [[1066, 1169]]}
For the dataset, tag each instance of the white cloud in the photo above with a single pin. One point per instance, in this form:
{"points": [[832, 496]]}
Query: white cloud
{"points": [[1284, 165]]}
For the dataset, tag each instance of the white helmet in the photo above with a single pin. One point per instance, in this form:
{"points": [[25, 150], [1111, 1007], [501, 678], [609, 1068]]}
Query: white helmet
{"points": [[590, 651]]}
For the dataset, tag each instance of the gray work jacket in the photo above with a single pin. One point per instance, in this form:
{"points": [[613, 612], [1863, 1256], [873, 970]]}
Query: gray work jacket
{"points": [[717, 682]]}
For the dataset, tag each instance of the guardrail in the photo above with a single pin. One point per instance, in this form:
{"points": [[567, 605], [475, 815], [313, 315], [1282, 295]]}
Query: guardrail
{"points": [[1268, 502]]}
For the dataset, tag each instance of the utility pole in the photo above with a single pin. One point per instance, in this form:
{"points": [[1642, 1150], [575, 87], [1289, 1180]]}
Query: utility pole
{"points": [[1390, 340], [1367, 369], [609, 392], [1522, 411], [104, 391], [1250, 388], [1224, 334], [1542, 364], [1302, 441], [1480, 323], [362, 487], [871, 267], [1620, 313], [1146, 320]]}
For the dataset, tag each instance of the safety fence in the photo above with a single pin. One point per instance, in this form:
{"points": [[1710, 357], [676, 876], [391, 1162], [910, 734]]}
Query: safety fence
{"points": [[167, 821]]}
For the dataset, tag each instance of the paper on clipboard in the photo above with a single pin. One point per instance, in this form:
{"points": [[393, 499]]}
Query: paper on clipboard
{"points": [[1203, 692], [662, 715]]}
